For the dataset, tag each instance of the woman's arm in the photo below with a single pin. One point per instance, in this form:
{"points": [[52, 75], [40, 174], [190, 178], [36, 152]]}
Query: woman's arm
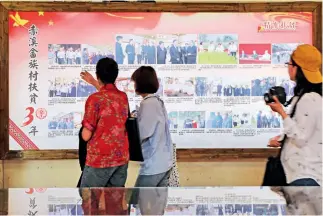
{"points": [[87, 77], [309, 115], [86, 134], [147, 119], [90, 118]]}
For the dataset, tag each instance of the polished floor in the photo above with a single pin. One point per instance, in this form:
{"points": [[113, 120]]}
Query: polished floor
{"points": [[159, 201]]}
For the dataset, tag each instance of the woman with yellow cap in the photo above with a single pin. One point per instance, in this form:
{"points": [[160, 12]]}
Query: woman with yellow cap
{"points": [[301, 155]]}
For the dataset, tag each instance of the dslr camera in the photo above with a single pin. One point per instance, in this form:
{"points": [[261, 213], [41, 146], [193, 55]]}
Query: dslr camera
{"points": [[277, 91]]}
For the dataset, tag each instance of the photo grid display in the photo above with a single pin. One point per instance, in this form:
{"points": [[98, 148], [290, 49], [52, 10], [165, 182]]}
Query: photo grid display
{"points": [[200, 96]]}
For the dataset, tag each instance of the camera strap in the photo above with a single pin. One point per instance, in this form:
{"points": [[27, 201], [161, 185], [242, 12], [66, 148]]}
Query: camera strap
{"points": [[291, 116], [287, 103]]}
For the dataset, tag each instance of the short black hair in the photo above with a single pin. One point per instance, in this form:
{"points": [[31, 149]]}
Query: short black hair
{"points": [[161, 42], [119, 37], [145, 79], [107, 70]]}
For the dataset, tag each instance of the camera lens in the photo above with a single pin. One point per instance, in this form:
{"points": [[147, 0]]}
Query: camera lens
{"points": [[266, 97]]}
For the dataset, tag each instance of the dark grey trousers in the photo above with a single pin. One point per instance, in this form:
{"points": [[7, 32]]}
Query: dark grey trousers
{"points": [[104, 177]]}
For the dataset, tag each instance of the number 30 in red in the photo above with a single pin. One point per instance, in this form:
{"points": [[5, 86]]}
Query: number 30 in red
{"points": [[29, 117]]}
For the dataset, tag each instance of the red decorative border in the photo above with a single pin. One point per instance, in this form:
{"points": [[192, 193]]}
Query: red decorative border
{"points": [[17, 134], [32, 190]]}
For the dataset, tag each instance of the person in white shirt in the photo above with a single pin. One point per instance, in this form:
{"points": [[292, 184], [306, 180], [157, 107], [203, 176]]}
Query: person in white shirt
{"points": [[211, 47], [265, 57], [70, 54], [188, 88], [233, 50], [69, 89], [201, 47], [220, 48], [61, 56], [51, 89], [64, 90], [78, 56], [235, 121], [243, 55], [301, 155]]}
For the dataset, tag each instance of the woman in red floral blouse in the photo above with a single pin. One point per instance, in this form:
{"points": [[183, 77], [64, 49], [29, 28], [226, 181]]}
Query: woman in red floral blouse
{"points": [[105, 117]]}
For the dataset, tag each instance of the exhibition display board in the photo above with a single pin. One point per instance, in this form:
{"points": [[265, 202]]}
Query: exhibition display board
{"points": [[213, 70]]}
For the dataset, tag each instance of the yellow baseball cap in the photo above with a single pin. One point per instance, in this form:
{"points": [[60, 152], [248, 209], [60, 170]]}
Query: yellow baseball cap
{"points": [[309, 59]]}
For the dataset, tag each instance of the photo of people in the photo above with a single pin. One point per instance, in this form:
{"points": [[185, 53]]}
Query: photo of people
{"points": [[202, 209], [216, 209], [60, 209], [268, 119], [236, 89], [218, 49], [84, 89], [209, 86], [179, 87], [243, 119], [237, 209], [172, 120], [261, 86], [282, 52], [268, 209], [91, 54], [75, 209], [161, 87], [176, 49], [126, 85], [65, 121], [221, 119], [191, 119], [255, 53], [64, 54], [181, 209], [288, 86], [62, 87], [135, 49], [201, 86], [67, 210]]}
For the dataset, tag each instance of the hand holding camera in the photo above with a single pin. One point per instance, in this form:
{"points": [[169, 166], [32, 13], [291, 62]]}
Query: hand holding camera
{"points": [[275, 98], [278, 92]]}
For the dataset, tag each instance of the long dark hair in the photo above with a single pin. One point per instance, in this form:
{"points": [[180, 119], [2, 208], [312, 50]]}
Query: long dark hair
{"points": [[303, 86]]}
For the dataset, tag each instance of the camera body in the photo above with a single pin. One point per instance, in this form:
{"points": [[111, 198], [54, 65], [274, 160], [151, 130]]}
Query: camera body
{"points": [[277, 91]]}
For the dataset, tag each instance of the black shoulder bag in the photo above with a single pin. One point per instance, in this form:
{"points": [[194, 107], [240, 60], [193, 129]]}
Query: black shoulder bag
{"points": [[274, 173], [135, 150], [82, 154]]}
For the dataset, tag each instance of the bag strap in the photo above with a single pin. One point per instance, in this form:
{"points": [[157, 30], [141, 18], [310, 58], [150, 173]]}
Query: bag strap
{"points": [[129, 114], [291, 116]]}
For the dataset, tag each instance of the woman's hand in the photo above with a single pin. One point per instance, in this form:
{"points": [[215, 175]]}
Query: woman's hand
{"points": [[133, 114], [277, 107], [87, 77], [273, 142]]}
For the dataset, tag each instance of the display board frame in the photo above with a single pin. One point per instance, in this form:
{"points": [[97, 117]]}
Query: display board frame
{"points": [[192, 155]]}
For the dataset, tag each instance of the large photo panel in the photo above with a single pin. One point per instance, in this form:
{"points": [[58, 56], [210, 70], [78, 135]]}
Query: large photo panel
{"points": [[212, 77]]}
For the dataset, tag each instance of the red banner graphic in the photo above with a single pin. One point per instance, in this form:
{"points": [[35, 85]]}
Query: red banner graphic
{"points": [[20, 137]]}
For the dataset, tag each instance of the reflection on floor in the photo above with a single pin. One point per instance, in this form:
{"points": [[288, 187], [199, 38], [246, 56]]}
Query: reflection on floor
{"points": [[164, 201]]}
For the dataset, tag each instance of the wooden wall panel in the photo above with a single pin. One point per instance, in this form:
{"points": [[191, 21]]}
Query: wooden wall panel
{"points": [[65, 173], [317, 27], [4, 80]]}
